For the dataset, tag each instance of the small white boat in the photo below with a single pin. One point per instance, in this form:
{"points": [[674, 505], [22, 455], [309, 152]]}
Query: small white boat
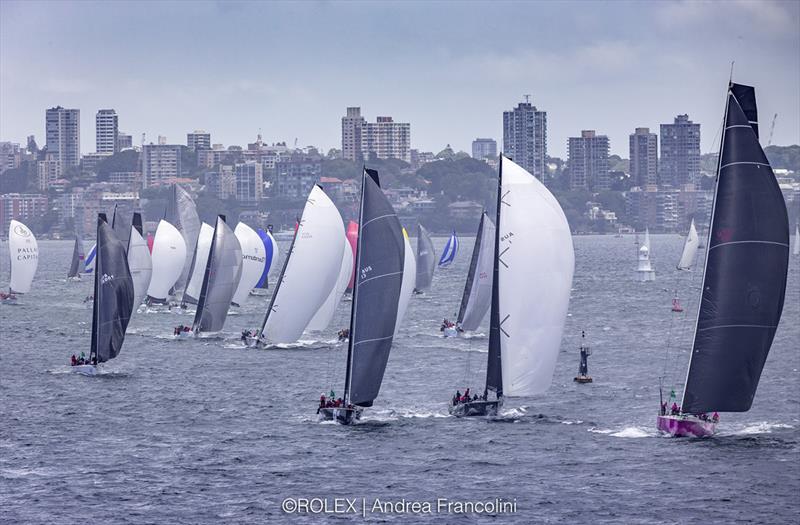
{"points": [[450, 331]]}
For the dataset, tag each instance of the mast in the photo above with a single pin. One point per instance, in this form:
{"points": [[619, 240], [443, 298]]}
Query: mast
{"points": [[101, 217], [494, 366], [353, 308]]}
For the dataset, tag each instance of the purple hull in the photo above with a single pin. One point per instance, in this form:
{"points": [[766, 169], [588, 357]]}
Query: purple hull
{"points": [[686, 426]]}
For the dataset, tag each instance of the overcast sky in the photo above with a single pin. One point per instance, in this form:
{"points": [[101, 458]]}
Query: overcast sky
{"points": [[450, 68]]}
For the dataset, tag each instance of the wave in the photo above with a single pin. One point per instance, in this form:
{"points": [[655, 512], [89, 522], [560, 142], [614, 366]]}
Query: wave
{"points": [[626, 432], [762, 427]]}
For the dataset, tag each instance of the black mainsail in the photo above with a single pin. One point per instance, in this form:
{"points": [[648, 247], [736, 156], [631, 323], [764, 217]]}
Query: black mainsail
{"points": [[378, 278], [76, 265], [746, 266], [113, 294], [426, 259], [494, 368], [223, 271]]}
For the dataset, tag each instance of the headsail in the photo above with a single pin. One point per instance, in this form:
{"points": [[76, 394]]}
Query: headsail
{"points": [[534, 264], [253, 261], [24, 252], [322, 319], [746, 266], [113, 294], [76, 266], [198, 268], [88, 265], [182, 213], [310, 272], [426, 259], [272, 253], [169, 252], [450, 251], [689, 249], [139, 261], [379, 278], [222, 273], [409, 277], [477, 295]]}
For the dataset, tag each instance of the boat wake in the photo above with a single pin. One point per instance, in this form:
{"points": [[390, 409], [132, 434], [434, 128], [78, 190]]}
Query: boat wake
{"points": [[751, 429], [627, 432]]}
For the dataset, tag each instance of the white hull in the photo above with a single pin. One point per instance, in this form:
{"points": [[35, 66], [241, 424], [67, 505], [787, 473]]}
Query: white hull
{"points": [[85, 370], [450, 332]]}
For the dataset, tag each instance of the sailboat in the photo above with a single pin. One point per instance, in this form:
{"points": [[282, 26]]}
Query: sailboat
{"points": [[450, 251], [409, 278], [23, 250], [310, 271], [796, 249], [426, 260], [168, 255], [194, 282], [272, 253], [380, 256], [687, 260], [744, 281], [532, 264], [140, 263], [181, 212], [352, 239], [477, 296], [254, 260], [76, 266], [221, 275], [88, 265], [113, 299], [645, 270], [322, 319]]}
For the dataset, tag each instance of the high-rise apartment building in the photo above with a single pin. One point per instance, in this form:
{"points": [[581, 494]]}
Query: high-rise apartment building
{"points": [[199, 140], [106, 131], [63, 135], [249, 182], [680, 153], [352, 125], [588, 161], [644, 159], [160, 162], [484, 148], [525, 138]]}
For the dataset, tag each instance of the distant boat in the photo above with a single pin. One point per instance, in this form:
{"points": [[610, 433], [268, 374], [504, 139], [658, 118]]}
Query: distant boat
{"points": [[450, 251], [477, 296], [380, 257], [689, 253], [744, 282], [140, 262], [194, 281], [532, 262], [272, 254], [168, 255], [181, 212], [583, 376], [76, 266], [426, 260], [254, 260], [645, 270], [113, 299], [88, 265], [23, 250]]}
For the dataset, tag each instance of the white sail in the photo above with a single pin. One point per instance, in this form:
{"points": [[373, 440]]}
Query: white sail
{"points": [[407, 286], [325, 314], [647, 238], [141, 266], [478, 290], [169, 253], [796, 249], [24, 252], [202, 249], [311, 271], [689, 249], [254, 258], [537, 261]]}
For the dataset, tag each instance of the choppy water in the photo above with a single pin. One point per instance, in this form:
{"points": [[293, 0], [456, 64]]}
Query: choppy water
{"points": [[205, 431]]}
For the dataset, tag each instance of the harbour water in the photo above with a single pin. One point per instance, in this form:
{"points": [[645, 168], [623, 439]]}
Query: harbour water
{"points": [[206, 431]]}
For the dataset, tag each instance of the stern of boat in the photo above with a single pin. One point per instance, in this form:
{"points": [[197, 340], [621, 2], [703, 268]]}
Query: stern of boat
{"points": [[685, 426]]}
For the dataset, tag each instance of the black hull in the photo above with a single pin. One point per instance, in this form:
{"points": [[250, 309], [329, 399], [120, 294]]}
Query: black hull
{"points": [[343, 416], [475, 408]]}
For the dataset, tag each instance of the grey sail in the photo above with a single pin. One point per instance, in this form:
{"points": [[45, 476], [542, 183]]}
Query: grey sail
{"points": [[494, 365], [376, 291], [182, 213], [426, 259], [121, 227], [746, 266], [76, 265], [113, 294], [223, 270], [477, 297]]}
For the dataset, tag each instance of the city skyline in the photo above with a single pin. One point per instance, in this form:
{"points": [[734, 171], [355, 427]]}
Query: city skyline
{"points": [[282, 82]]}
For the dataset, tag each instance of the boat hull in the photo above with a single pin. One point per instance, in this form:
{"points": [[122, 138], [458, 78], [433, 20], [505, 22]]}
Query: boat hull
{"points": [[582, 379], [84, 370], [343, 416], [475, 408], [450, 331], [686, 426]]}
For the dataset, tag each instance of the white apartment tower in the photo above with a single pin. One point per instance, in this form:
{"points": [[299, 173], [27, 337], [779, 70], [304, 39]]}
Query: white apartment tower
{"points": [[106, 131]]}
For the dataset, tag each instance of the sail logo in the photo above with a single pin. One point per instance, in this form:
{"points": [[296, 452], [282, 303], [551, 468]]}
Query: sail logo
{"points": [[365, 271], [27, 254], [22, 231], [106, 278], [253, 258], [507, 236]]}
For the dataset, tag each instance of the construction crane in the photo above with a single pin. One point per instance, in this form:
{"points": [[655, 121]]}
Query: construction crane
{"points": [[772, 129]]}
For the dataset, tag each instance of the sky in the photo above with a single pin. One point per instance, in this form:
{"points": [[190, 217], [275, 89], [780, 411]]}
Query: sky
{"points": [[448, 68]]}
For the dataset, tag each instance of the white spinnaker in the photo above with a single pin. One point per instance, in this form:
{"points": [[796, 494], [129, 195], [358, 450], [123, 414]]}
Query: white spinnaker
{"points": [[537, 261], [141, 266], [169, 254], [689, 249], [202, 249], [254, 258], [311, 272], [24, 252], [407, 285], [322, 319]]}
